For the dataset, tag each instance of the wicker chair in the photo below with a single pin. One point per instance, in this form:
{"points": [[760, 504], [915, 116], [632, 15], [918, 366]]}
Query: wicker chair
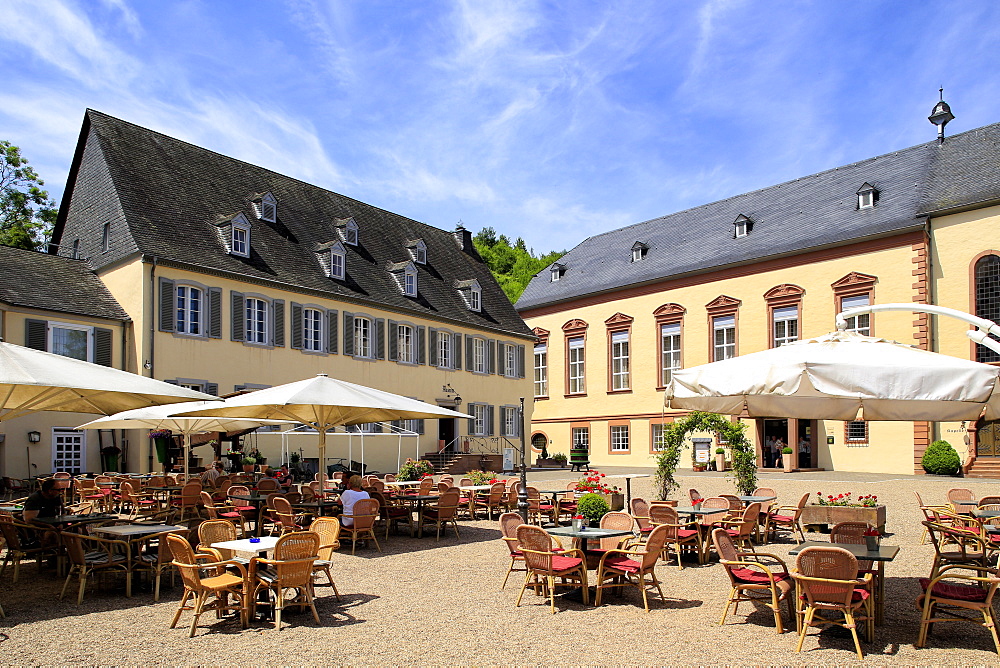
{"points": [[567, 502], [545, 565], [928, 512], [292, 568], [155, 558], [787, 518], [287, 520], [389, 477], [88, 555], [267, 485], [441, 513], [943, 599], [86, 490], [392, 512], [224, 512], [328, 530], [735, 507], [617, 521], [509, 522], [222, 585], [679, 536], [136, 504], [755, 577], [215, 531], [621, 566], [640, 513], [955, 545], [513, 487], [188, 500], [827, 578], [363, 522], [491, 502], [24, 541], [957, 494], [741, 531], [989, 501], [537, 507]]}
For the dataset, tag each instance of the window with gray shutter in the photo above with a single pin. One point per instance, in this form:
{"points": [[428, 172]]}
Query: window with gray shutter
{"points": [[491, 356], [296, 327], [421, 345], [456, 352], [102, 346], [468, 352], [520, 361], [331, 331], [278, 318], [166, 305], [348, 333], [212, 388], [215, 313], [380, 338], [237, 315], [501, 358], [36, 334], [490, 421], [432, 346], [393, 343]]}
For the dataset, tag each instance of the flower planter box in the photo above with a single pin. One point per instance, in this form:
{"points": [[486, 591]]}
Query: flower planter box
{"points": [[831, 515], [547, 463], [616, 501]]}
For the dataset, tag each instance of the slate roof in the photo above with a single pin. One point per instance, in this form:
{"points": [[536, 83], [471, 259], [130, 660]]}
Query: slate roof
{"points": [[812, 212], [172, 192], [52, 283]]}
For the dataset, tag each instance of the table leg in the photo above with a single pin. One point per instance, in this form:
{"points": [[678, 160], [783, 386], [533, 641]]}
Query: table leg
{"points": [[628, 494], [880, 595]]}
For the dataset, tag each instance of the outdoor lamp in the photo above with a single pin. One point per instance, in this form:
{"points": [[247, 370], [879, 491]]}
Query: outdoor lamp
{"points": [[34, 437]]}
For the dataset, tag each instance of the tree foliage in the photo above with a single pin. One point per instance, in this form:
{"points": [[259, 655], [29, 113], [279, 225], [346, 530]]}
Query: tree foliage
{"points": [[744, 459], [513, 265], [26, 212]]}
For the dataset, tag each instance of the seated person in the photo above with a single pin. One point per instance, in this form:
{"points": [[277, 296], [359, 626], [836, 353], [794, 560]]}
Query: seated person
{"points": [[212, 474], [349, 497], [46, 502], [285, 476]]}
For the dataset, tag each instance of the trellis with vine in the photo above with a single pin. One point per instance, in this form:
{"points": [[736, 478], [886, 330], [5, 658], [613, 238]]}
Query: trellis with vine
{"points": [[744, 456]]}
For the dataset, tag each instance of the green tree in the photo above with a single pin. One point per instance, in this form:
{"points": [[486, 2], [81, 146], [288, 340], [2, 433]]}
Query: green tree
{"points": [[512, 265], [26, 212]]}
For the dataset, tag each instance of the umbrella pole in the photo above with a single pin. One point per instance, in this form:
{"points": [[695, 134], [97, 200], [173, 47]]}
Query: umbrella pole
{"points": [[187, 455], [362, 453], [322, 454]]}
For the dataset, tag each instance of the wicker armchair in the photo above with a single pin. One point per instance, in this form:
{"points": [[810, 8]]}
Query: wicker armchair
{"points": [[88, 555], [24, 541], [928, 512], [954, 545], [215, 531], [678, 536], [617, 521], [286, 519], [188, 500], [943, 599], [442, 513], [222, 512], [545, 565], [392, 512], [363, 522], [291, 569], [957, 494], [787, 518], [491, 502], [539, 508], [137, 504], [621, 566], [221, 586], [328, 530], [827, 578], [567, 502], [265, 485], [755, 577], [155, 558], [509, 522]]}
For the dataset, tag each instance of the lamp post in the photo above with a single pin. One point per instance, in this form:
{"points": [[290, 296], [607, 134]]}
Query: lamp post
{"points": [[522, 493]]}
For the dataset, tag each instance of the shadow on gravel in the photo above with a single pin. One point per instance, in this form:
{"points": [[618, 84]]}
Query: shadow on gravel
{"points": [[403, 544]]}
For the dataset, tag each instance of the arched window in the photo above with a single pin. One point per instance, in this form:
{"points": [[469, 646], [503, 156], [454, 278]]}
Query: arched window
{"points": [[988, 299]]}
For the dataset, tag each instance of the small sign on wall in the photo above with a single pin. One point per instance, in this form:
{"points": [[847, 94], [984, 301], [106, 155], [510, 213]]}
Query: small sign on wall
{"points": [[508, 459], [702, 449], [829, 440]]}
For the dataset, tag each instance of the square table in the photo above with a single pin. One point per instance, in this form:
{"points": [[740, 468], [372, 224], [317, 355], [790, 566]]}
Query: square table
{"points": [[883, 554], [419, 498], [985, 514], [750, 498], [244, 545], [75, 519], [583, 535], [317, 505], [133, 530]]}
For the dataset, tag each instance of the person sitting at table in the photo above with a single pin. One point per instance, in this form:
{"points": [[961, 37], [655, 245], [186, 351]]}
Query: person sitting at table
{"points": [[212, 474], [285, 476], [349, 497], [46, 502]]}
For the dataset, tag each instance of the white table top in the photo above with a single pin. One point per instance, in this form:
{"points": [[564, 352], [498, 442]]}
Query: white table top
{"points": [[475, 488], [403, 483], [244, 545], [137, 529]]}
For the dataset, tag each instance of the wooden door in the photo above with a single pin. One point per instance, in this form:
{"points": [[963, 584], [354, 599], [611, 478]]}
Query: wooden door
{"points": [[988, 439]]}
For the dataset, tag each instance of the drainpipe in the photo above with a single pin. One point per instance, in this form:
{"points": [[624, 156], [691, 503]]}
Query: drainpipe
{"points": [[152, 340], [123, 458]]}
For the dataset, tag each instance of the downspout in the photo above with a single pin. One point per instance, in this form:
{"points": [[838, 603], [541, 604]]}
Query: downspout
{"points": [[152, 340], [123, 459]]}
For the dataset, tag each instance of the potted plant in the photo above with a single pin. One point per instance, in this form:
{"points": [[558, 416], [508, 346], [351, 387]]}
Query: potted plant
{"points": [[786, 459], [832, 510], [110, 454], [720, 459], [161, 439], [249, 462], [593, 483], [699, 467], [593, 507], [561, 459], [414, 470]]}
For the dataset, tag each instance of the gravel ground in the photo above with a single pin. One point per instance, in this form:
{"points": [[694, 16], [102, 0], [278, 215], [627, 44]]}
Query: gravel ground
{"points": [[427, 602]]}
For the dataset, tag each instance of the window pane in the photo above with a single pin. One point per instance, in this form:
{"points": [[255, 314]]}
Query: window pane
{"points": [[256, 321], [541, 371], [70, 342], [362, 337], [404, 343], [576, 365], [670, 351], [619, 438], [988, 300], [312, 330], [619, 361]]}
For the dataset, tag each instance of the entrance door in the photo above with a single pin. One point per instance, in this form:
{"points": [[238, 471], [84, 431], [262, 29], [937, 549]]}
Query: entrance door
{"points": [[988, 439], [775, 438], [806, 443], [67, 450], [447, 433]]}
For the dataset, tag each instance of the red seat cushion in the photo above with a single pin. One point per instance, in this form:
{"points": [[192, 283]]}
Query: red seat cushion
{"points": [[686, 533], [782, 518], [545, 506], [646, 529], [751, 576], [622, 563], [956, 592], [856, 595], [230, 515], [565, 563]]}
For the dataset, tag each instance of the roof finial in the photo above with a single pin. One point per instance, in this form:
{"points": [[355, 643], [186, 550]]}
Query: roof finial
{"points": [[941, 115]]}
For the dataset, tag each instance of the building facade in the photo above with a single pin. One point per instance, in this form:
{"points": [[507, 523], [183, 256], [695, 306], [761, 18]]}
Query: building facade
{"points": [[618, 313], [237, 278]]}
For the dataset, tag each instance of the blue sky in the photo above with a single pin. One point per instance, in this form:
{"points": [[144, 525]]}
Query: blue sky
{"points": [[547, 120]]}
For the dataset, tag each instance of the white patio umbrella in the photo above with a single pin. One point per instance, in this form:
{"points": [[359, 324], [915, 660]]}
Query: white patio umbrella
{"points": [[32, 380], [841, 376], [323, 402], [163, 417]]}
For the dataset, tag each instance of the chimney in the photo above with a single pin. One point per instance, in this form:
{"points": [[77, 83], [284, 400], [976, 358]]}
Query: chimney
{"points": [[463, 238]]}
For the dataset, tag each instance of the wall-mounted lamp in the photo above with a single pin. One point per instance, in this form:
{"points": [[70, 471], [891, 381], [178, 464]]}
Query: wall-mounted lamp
{"points": [[147, 365], [34, 437]]}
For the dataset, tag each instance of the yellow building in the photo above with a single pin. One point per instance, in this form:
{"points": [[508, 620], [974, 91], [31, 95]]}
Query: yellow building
{"points": [[623, 309], [238, 278]]}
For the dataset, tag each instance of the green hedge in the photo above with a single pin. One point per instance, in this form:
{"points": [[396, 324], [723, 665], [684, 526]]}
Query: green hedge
{"points": [[941, 459]]}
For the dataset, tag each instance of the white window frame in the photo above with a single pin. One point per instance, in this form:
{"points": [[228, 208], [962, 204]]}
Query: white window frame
{"points": [[866, 199], [510, 360], [541, 366], [786, 324], [312, 329], [445, 349], [410, 282], [619, 438], [478, 355], [656, 437], [80, 458], [580, 438], [50, 337], [240, 239], [419, 252], [847, 431], [479, 419], [404, 344], [620, 367], [577, 362], [475, 298], [256, 321], [861, 323], [510, 422], [363, 328], [268, 208], [338, 262], [184, 324], [742, 229], [670, 351], [352, 233], [724, 325]]}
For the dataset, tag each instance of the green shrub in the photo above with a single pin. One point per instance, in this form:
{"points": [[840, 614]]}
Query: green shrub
{"points": [[593, 507], [249, 461], [786, 450], [414, 470], [561, 458], [941, 459], [480, 477], [720, 451]]}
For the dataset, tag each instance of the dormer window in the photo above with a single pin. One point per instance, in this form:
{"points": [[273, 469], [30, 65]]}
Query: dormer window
{"points": [[240, 236], [556, 272], [743, 226], [867, 196], [406, 277], [267, 208], [418, 251], [348, 230], [639, 251], [338, 261], [472, 293]]}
